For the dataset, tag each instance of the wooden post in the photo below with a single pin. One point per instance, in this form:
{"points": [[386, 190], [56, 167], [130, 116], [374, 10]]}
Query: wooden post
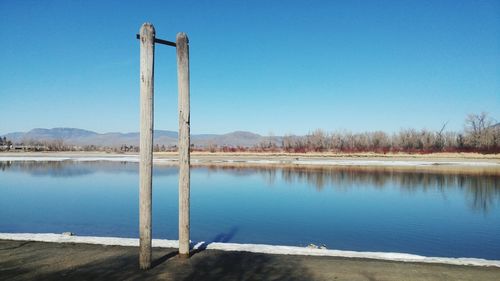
{"points": [[147, 36], [184, 143]]}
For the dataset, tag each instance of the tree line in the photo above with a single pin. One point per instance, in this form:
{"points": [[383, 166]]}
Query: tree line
{"points": [[479, 135]]}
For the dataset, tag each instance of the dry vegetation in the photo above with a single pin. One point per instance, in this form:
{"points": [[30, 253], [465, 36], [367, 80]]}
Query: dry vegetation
{"points": [[479, 136]]}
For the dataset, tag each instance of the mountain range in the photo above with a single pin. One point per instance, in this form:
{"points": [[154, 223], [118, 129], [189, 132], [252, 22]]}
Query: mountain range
{"points": [[80, 137]]}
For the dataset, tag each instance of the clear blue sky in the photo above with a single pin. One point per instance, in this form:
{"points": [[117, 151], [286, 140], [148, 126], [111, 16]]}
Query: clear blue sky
{"points": [[262, 66]]}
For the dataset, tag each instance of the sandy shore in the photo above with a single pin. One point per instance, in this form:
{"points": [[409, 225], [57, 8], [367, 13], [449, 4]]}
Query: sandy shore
{"points": [[25, 260], [254, 248], [464, 163], [267, 155], [464, 159]]}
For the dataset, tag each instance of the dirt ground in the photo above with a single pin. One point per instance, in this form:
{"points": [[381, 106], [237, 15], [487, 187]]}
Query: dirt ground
{"points": [[23, 260]]}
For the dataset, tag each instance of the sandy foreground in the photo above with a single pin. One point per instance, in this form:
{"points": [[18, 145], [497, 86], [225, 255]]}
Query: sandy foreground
{"points": [[28, 260]]}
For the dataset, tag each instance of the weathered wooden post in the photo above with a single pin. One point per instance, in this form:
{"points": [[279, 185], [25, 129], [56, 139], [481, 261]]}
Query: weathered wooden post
{"points": [[147, 37], [148, 40], [182, 44]]}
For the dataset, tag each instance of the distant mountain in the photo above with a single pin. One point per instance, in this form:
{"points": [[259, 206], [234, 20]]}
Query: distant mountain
{"points": [[74, 136], [238, 138], [65, 133], [40, 134]]}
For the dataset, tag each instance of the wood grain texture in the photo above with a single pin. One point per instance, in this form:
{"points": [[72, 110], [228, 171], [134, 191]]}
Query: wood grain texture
{"points": [[184, 142], [147, 34]]}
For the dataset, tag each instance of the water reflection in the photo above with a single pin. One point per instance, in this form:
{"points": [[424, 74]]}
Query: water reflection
{"points": [[482, 190], [71, 168]]}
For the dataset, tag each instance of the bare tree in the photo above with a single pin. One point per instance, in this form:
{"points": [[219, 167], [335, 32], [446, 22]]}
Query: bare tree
{"points": [[317, 140], [380, 141], [479, 130]]}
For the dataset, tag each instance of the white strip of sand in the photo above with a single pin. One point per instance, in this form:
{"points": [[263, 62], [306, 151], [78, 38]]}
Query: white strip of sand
{"points": [[308, 162], [254, 248]]}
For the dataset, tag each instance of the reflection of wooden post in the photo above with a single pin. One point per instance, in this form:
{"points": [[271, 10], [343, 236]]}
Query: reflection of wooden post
{"points": [[147, 36], [184, 173]]}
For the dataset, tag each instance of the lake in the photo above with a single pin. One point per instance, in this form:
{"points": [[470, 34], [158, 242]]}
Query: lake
{"points": [[376, 209]]}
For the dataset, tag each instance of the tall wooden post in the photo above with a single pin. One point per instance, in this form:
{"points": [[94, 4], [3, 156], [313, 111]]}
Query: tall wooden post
{"points": [[182, 44], [147, 36]]}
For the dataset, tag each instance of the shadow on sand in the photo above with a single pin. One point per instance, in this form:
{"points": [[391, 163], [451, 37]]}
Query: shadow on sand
{"points": [[221, 237], [206, 265]]}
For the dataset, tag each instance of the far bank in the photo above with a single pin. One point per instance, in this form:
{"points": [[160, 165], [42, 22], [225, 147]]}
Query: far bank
{"points": [[437, 162]]}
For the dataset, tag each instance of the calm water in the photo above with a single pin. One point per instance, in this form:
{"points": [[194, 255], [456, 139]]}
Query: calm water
{"points": [[384, 210]]}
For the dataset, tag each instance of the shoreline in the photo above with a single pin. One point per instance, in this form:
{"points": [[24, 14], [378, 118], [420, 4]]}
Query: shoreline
{"points": [[29, 260], [252, 248], [358, 155], [393, 160], [454, 164]]}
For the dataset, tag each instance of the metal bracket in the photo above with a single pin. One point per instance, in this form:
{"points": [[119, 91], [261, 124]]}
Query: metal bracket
{"points": [[160, 41]]}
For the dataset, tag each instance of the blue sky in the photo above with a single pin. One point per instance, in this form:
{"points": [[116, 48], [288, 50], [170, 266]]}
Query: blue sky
{"points": [[263, 66]]}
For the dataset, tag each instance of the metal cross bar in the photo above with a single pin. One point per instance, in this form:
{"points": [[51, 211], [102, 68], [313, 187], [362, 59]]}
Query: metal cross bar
{"points": [[160, 41]]}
